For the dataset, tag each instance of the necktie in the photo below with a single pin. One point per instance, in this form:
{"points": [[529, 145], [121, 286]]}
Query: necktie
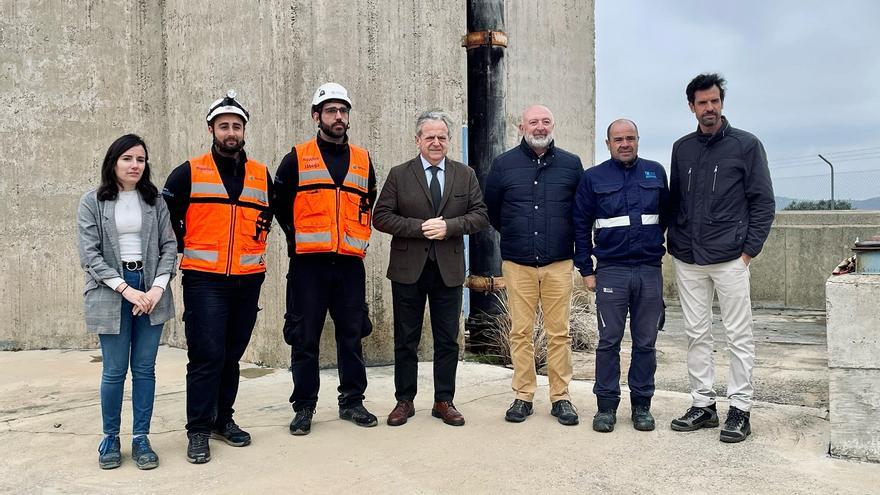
{"points": [[435, 189], [435, 199]]}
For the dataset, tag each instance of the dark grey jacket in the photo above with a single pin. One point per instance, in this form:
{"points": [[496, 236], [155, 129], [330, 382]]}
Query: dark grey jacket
{"points": [[98, 244], [722, 201]]}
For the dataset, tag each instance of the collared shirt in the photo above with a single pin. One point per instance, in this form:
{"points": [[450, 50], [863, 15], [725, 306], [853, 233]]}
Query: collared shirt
{"points": [[441, 174]]}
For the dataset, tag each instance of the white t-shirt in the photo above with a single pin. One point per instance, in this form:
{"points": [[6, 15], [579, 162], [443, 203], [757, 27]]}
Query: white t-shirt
{"points": [[128, 226]]}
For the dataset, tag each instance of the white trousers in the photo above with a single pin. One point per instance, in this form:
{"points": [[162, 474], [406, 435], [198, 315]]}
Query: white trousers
{"points": [[696, 287]]}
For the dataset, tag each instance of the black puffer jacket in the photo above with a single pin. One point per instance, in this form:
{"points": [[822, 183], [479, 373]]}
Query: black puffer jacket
{"points": [[722, 201], [530, 200]]}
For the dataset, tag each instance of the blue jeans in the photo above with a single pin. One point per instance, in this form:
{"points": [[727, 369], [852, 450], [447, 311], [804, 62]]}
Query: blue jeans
{"points": [[137, 341]]}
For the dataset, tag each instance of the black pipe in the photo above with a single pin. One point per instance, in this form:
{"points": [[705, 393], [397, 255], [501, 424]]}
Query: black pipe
{"points": [[485, 45]]}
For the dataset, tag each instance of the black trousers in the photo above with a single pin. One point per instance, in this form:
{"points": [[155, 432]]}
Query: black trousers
{"points": [[317, 283], [219, 315], [409, 311]]}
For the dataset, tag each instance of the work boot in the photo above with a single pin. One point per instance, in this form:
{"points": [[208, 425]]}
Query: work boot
{"points": [[604, 420], [302, 421], [696, 418], [642, 418], [109, 456], [518, 411], [231, 434], [142, 453], [198, 451], [358, 415], [565, 412], [737, 426]]}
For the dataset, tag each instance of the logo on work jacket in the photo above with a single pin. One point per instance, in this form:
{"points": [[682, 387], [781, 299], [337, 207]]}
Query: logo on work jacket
{"points": [[609, 290], [311, 163], [649, 174]]}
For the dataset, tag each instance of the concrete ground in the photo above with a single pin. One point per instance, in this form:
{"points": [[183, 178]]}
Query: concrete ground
{"points": [[50, 429], [791, 364]]}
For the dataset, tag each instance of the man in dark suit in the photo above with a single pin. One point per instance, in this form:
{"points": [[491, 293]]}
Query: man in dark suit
{"points": [[428, 204]]}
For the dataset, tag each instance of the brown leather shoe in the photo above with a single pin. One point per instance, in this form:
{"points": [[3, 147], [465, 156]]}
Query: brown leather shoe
{"points": [[448, 413], [401, 412]]}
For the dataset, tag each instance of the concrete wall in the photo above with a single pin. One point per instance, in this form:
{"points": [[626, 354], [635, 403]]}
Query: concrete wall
{"points": [[854, 365], [78, 76], [73, 77], [801, 251]]}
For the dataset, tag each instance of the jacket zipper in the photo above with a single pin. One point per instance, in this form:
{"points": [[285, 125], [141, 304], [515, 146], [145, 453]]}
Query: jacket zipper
{"points": [[689, 179], [231, 241], [714, 176], [339, 228]]}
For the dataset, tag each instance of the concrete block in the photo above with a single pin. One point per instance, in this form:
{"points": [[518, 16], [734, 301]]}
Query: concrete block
{"points": [[854, 399], [853, 322]]}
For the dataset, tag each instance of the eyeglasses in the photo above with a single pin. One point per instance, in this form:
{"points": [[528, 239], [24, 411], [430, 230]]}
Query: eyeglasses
{"points": [[335, 110]]}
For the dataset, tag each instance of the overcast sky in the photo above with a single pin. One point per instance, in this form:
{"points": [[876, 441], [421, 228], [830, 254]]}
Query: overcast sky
{"points": [[803, 76]]}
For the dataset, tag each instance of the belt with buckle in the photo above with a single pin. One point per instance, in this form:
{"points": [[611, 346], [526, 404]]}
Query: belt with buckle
{"points": [[133, 266]]}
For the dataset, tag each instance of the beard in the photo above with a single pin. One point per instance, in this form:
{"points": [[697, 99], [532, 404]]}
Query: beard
{"points": [[539, 142], [709, 119], [329, 131], [229, 150]]}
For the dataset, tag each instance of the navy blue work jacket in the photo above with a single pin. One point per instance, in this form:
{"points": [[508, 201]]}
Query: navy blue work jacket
{"points": [[627, 208]]}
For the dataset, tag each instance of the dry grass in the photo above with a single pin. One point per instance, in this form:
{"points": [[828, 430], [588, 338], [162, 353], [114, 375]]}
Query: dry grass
{"points": [[582, 327]]}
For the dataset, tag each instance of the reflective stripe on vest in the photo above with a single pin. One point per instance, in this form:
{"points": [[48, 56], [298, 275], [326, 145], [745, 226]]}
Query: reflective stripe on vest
{"points": [[222, 235], [604, 223], [330, 218]]}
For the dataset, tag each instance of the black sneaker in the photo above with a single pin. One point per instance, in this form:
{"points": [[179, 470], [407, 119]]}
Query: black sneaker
{"points": [[642, 418], [565, 412], [518, 411], [302, 422], [232, 435], [142, 453], [604, 420], [737, 426], [696, 418], [109, 456], [358, 415], [198, 451]]}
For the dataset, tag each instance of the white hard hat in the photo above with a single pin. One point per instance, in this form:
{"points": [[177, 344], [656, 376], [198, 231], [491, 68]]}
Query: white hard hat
{"points": [[330, 91], [226, 105]]}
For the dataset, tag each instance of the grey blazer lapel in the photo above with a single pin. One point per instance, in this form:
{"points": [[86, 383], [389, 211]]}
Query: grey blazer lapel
{"points": [[110, 234], [148, 218]]}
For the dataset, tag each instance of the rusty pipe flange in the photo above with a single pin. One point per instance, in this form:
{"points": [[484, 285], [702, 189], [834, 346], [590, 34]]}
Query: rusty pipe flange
{"points": [[484, 284], [484, 38]]}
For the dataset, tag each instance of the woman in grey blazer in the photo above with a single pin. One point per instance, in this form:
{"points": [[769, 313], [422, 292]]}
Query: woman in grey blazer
{"points": [[128, 250]]}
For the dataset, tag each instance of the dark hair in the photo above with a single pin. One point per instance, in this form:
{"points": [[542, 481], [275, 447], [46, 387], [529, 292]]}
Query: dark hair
{"points": [[109, 188], [704, 82]]}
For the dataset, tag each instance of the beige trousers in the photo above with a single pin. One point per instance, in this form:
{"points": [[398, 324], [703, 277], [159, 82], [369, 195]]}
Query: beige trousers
{"points": [[550, 286], [696, 287]]}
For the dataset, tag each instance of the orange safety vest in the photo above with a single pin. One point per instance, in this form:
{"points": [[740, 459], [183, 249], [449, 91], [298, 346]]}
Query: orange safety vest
{"points": [[221, 234], [327, 218]]}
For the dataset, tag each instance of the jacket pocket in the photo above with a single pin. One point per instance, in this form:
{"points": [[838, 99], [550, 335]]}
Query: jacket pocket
{"points": [[649, 196], [609, 201]]}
